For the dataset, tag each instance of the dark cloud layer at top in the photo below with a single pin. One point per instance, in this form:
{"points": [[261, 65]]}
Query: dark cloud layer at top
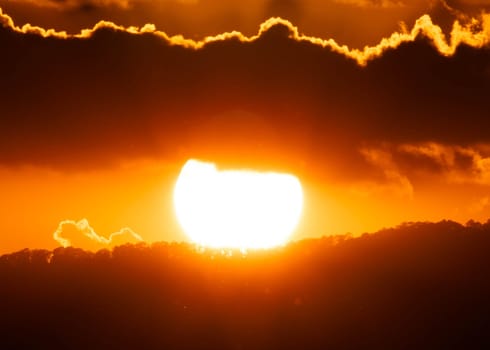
{"points": [[352, 22], [117, 96]]}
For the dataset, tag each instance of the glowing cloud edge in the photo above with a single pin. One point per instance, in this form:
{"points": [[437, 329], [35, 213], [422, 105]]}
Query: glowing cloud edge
{"points": [[84, 228], [475, 34]]}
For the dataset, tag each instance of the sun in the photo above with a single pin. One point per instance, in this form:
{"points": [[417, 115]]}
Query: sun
{"points": [[237, 208]]}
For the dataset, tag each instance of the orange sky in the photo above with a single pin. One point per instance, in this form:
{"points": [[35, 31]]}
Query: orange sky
{"points": [[139, 196], [98, 128]]}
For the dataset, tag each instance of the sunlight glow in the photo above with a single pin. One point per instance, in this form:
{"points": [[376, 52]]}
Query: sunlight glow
{"points": [[236, 208]]}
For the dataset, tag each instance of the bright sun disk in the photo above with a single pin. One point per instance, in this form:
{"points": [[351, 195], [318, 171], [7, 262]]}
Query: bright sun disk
{"points": [[236, 208]]}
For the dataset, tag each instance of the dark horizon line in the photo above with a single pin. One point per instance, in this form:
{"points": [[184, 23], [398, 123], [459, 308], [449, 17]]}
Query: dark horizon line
{"points": [[335, 238]]}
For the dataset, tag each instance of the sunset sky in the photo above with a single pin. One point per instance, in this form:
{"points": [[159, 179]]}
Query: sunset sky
{"points": [[379, 107]]}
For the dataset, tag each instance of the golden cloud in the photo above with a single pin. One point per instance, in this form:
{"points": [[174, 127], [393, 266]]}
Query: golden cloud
{"points": [[474, 33], [81, 234]]}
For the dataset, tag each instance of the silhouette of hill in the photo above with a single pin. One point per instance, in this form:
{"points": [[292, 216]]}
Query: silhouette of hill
{"points": [[416, 286]]}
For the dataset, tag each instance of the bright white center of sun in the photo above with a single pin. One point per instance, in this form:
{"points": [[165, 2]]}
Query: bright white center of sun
{"points": [[237, 208]]}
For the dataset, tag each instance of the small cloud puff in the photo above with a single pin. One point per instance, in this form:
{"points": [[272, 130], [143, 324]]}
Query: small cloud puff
{"points": [[81, 234]]}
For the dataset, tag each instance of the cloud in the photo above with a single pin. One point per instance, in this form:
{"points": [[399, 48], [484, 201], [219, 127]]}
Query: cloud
{"points": [[81, 234], [475, 34], [458, 164], [371, 19], [453, 164], [113, 93], [91, 4], [77, 4], [462, 3], [373, 3], [392, 181]]}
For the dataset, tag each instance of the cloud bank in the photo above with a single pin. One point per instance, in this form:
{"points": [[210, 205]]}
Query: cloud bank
{"points": [[475, 34], [112, 93]]}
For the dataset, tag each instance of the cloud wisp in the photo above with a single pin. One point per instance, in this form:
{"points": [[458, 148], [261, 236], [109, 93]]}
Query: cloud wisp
{"points": [[72, 233], [453, 164]]}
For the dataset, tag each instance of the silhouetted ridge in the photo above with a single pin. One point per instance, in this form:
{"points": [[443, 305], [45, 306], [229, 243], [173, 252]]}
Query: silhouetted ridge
{"points": [[416, 286]]}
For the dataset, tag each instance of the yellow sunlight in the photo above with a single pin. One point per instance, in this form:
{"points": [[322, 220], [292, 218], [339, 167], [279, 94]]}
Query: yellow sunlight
{"points": [[236, 208]]}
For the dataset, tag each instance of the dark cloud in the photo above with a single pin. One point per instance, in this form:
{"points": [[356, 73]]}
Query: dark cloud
{"points": [[82, 5], [372, 19], [468, 5], [373, 3], [276, 100], [450, 164]]}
